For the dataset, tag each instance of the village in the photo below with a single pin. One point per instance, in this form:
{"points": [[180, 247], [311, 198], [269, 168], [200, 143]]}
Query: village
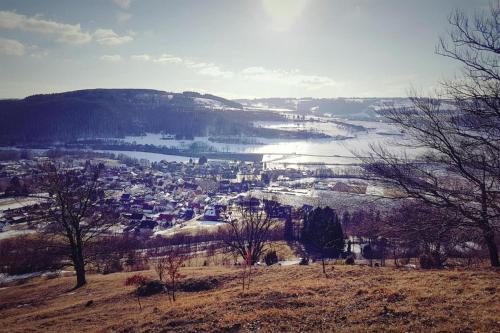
{"points": [[162, 198]]}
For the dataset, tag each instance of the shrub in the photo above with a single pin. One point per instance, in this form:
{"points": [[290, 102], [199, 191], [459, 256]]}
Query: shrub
{"points": [[349, 260], [25, 254], [136, 280], [151, 288], [135, 262], [271, 258], [138, 266], [195, 285], [428, 261], [112, 265], [141, 282], [304, 261]]}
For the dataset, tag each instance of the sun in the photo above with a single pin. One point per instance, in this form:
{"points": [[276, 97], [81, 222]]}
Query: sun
{"points": [[283, 13]]}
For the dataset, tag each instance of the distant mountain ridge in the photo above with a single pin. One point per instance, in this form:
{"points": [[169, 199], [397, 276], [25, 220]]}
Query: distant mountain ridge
{"points": [[349, 108]]}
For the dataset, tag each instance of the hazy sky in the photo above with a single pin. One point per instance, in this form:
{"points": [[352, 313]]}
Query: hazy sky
{"points": [[232, 48]]}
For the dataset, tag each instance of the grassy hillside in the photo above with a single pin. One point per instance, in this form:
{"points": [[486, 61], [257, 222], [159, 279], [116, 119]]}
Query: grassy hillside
{"points": [[287, 299]]}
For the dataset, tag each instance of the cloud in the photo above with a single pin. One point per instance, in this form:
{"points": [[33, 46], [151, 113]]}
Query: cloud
{"points": [[123, 17], [142, 57], [292, 77], [164, 58], [125, 4], [256, 73], [167, 59], [65, 33], [111, 58], [215, 71], [11, 47], [109, 37], [36, 52], [203, 68], [208, 69]]}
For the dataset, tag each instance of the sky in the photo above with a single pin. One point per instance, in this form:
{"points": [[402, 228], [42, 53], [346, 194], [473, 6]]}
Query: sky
{"points": [[230, 48]]}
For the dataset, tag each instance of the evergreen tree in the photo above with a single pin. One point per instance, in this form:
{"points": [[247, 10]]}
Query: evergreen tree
{"points": [[16, 188], [323, 233], [289, 234], [346, 219], [202, 160]]}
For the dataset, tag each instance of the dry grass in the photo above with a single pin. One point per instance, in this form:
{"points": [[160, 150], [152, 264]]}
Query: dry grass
{"points": [[283, 251], [288, 299]]}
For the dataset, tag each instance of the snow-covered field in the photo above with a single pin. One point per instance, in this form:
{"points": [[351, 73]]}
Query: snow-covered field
{"points": [[14, 203], [15, 233], [330, 151], [152, 157]]}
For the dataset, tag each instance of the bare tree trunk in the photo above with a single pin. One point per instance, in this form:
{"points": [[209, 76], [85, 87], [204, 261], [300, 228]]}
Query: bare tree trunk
{"points": [[488, 232], [80, 271], [78, 263], [249, 276], [244, 275], [489, 239], [173, 290]]}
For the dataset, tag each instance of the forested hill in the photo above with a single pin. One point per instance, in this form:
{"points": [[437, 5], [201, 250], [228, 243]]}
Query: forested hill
{"points": [[118, 112]]}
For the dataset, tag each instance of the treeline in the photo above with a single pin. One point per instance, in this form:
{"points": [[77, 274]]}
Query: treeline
{"points": [[435, 237], [411, 232], [15, 155], [110, 253]]}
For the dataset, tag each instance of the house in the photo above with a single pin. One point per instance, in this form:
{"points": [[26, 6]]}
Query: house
{"points": [[224, 186], [159, 208], [306, 209], [148, 208], [275, 210], [192, 187], [125, 197], [220, 208], [213, 213], [186, 214], [146, 227], [147, 224], [166, 219], [136, 216], [252, 203], [17, 219]]}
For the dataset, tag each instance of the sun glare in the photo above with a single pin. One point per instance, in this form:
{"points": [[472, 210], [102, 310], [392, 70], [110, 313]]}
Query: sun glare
{"points": [[283, 13]]}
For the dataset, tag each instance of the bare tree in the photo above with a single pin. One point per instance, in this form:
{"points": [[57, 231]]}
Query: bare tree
{"points": [[432, 233], [167, 264], [460, 130], [247, 230], [74, 213], [160, 267], [173, 261]]}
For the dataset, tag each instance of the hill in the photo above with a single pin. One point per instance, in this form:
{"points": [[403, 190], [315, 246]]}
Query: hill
{"points": [[347, 108], [281, 298], [118, 112]]}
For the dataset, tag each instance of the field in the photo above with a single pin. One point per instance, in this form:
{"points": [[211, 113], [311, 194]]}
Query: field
{"points": [[281, 298]]}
